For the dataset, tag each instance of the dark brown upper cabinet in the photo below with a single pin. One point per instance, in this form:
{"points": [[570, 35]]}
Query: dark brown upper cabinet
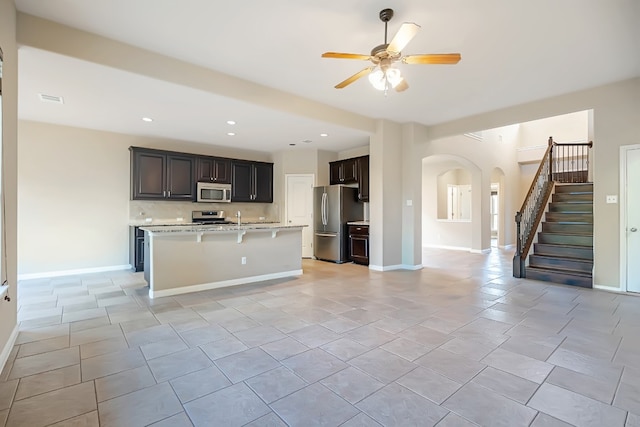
{"points": [[363, 178], [352, 171], [161, 175], [251, 181], [213, 169], [343, 171]]}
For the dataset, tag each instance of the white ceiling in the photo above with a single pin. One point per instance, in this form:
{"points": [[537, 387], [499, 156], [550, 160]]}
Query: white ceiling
{"points": [[512, 52]]}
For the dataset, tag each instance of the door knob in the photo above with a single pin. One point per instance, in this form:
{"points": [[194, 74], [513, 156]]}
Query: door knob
{"points": [[633, 230]]}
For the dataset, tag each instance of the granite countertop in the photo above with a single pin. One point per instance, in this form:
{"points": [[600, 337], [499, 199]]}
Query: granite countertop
{"points": [[366, 223], [175, 222], [214, 228]]}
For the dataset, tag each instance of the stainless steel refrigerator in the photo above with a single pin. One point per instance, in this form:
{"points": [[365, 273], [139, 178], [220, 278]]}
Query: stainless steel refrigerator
{"points": [[333, 206]]}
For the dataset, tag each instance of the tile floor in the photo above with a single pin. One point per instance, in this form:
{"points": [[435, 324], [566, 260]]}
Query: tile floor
{"points": [[459, 343]]}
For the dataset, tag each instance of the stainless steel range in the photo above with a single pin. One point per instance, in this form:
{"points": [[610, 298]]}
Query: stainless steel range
{"points": [[209, 217]]}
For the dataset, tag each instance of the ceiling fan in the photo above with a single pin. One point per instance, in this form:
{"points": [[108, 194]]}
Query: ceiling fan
{"points": [[383, 74]]}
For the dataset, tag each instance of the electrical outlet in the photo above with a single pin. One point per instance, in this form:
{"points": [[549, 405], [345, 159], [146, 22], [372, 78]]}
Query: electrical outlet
{"points": [[244, 260], [612, 198]]}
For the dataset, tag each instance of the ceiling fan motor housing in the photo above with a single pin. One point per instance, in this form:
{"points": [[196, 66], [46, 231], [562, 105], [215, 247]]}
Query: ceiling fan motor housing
{"points": [[386, 15]]}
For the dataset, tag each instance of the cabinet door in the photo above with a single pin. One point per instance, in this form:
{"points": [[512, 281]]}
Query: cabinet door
{"points": [[148, 175], [350, 171], [205, 167], [363, 179], [263, 182], [180, 177], [335, 173], [222, 171], [241, 181]]}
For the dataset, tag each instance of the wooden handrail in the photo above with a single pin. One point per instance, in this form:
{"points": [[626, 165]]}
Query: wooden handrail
{"points": [[533, 183]]}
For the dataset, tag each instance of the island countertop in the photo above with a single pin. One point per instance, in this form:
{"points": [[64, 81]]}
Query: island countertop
{"points": [[205, 228]]}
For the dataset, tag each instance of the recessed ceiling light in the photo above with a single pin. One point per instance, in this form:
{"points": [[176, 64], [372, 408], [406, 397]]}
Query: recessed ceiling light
{"points": [[231, 134], [231, 122], [147, 119], [307, 141], [324, 134]]}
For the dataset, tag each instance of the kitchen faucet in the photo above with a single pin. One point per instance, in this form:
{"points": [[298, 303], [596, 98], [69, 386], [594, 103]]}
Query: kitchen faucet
{"points": [[238, 215]]}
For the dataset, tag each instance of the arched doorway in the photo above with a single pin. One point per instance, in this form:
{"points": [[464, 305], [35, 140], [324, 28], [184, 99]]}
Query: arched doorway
{"points": [[452, 205]]}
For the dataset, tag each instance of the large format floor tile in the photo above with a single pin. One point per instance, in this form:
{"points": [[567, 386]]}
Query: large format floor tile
{"points": [[54, 406], [459, 343], [140, 408]]}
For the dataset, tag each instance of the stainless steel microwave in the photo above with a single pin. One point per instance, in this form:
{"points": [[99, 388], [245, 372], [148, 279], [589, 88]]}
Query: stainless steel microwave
{"points": [[213, 193]]}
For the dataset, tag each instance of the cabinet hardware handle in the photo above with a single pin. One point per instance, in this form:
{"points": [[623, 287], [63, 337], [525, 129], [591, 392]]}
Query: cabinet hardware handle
{"points": [[633, 230]]}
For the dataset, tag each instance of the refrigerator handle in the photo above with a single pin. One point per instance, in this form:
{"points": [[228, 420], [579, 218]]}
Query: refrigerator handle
{"points": [[324, 208]]}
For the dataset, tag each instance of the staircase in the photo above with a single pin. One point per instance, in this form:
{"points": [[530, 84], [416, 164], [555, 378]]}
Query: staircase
{"points": [[564, 251]]}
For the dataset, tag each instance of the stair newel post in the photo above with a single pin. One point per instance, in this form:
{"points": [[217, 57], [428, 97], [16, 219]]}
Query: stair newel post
{"points": [[551, 159], [518, 262]]}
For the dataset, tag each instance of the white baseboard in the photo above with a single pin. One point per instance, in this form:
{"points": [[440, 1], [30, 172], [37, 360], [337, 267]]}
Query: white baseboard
{"points": [[609, 289], [59, 273], [222, 284], [452, 248], [395, 267], [459, 248], [480, 251], [6, 351], [511, 246]]}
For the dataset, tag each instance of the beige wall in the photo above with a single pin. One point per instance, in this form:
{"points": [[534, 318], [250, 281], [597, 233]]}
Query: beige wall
{"points": [[572, 127], [73, 196], [386, 196], [8, 329], [355, 152], [324, 157]]}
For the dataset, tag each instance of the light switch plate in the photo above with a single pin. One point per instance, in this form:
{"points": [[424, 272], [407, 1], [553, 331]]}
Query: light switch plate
{"points": [[409, 202], [612, 198]]}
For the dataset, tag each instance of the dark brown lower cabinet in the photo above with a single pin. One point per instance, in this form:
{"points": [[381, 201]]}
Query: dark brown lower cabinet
{"points": [[359, 244], [136, 248]]}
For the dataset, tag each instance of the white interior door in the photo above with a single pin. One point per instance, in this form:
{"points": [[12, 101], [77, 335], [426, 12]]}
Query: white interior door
{"points": [[633, 220], [299, 210]]}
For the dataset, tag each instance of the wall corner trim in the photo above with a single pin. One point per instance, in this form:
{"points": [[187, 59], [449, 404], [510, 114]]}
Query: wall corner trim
{"points": [[6, 351]]}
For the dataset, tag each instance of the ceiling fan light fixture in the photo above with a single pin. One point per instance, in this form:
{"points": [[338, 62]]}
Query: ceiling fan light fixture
{"points": [[383, 80]]}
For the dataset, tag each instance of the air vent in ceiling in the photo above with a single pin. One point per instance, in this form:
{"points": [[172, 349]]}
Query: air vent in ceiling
{"points": [[51, 98], [475, 135]]}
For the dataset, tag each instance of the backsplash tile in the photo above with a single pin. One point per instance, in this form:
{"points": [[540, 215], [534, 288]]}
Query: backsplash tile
{"points": [[161, 211]]}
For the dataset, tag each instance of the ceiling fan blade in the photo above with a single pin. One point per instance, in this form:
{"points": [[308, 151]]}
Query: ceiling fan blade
{"points": [[402, 86], [433, 58], [339, 55], [355, 77], [407, 31]]}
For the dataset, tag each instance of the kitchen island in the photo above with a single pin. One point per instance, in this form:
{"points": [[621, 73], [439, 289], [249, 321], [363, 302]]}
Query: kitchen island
{"points": [[191, 258]]}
